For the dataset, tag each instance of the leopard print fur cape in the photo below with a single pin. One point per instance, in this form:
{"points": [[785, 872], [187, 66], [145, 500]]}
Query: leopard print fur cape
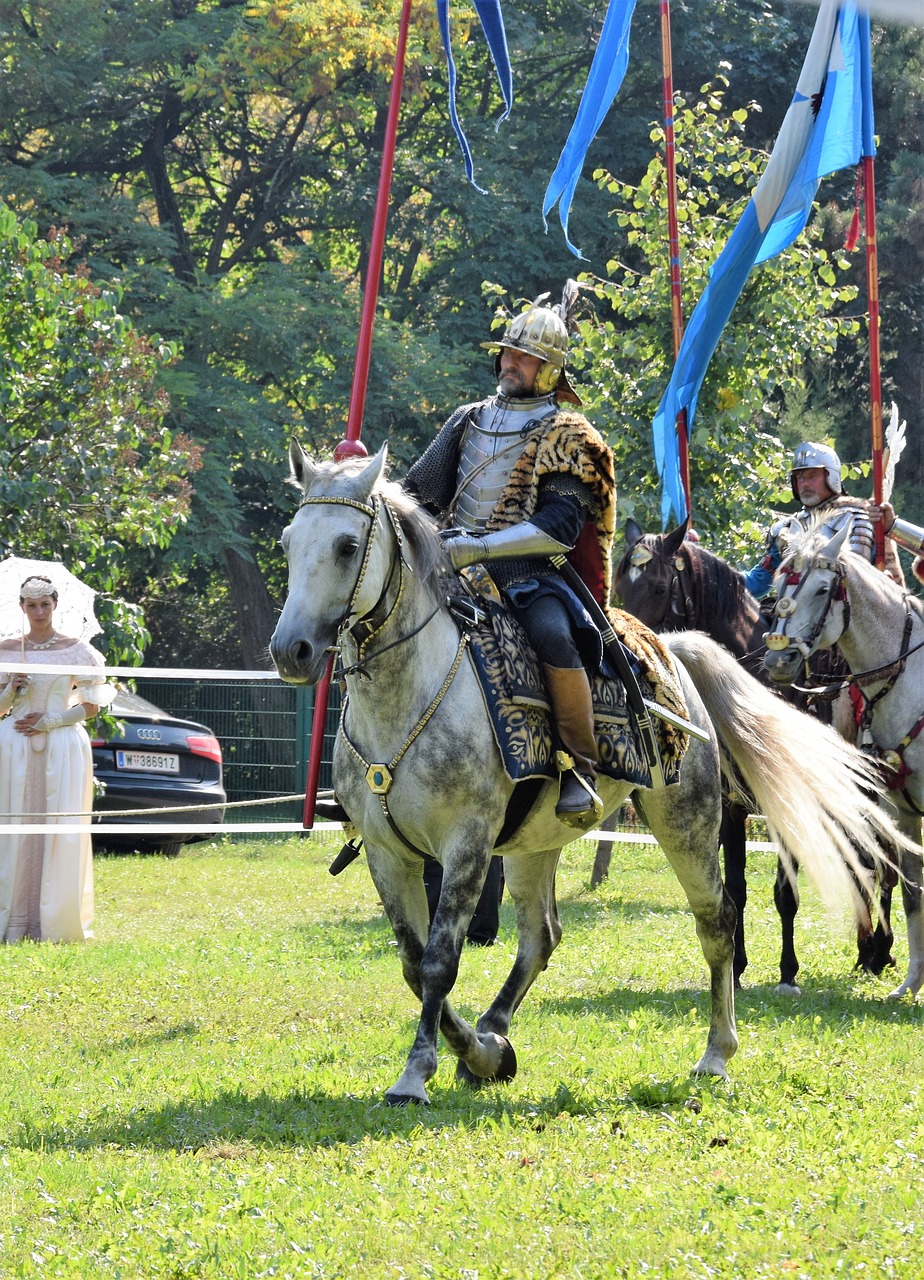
{"points": [[568, 446]]}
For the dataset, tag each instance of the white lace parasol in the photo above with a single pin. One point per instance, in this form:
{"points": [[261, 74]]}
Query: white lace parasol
{"points": [[74, 615]]}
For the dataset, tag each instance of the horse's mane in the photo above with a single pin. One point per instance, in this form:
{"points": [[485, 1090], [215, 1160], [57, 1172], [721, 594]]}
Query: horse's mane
{"points": [[719, 590], [420, 529]]}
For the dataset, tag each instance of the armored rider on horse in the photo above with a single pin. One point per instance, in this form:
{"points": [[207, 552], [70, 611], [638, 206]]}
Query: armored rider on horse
{"points": [[520, 478], [817, 482]]}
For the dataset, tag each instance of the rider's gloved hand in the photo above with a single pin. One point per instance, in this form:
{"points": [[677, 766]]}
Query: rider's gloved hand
{"points": [[462, 548]]}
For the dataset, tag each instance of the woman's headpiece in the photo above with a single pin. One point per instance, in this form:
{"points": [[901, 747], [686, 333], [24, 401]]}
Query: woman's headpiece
{"points": [[37, 586]]}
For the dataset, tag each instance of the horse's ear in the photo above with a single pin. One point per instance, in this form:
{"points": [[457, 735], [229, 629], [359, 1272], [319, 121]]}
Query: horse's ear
{"points": [[633, 533], [672, 541], [301, 469], [372, 472]]}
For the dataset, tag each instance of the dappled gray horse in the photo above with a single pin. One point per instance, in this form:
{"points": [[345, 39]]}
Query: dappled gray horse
{"points": [[417, 768], [828, 595]]}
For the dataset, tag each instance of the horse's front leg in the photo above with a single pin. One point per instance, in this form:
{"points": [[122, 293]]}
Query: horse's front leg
{"points": [[530, 880], [733, 839], [431, 963], [786, 900]]}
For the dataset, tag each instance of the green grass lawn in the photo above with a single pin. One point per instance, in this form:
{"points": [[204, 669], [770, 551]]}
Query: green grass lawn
{"points": [[199, 1092]]}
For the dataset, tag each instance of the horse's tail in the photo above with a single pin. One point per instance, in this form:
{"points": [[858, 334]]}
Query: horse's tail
{"points": [[819, 795]]}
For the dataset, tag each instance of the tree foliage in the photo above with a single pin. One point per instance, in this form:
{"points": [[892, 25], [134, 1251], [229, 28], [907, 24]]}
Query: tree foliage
{"points": [[86, 465], [217, 163]]}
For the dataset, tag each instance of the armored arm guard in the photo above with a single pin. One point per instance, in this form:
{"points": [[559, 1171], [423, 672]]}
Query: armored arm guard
{"points": [[522, 539], [907, 535]]}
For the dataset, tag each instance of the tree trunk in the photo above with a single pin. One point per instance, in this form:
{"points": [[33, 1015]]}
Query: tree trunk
{"points": [[254, 610]]}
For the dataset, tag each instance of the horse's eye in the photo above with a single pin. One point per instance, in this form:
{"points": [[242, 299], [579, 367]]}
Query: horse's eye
{"points": [[347, 547]]}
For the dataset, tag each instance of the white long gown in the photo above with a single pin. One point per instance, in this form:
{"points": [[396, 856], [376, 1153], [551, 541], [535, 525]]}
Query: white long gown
{"points": [[46, 881]]}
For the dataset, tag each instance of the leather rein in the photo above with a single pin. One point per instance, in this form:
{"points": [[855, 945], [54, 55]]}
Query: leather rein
{"points": [[365, 627]]}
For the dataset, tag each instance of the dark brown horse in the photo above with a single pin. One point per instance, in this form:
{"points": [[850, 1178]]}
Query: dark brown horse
{"points": [[672, 584]]}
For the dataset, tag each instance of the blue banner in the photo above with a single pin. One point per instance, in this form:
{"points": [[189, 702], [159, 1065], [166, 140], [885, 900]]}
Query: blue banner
{"points": [[829, 126], [492, 23], [603, 81]]}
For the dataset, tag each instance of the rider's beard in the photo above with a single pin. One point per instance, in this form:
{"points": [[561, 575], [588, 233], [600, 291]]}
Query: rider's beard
{"points": [[812, 500], [513, 385]]}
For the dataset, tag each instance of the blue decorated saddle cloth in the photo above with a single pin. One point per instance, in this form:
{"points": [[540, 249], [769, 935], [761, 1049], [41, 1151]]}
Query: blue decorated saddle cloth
{"points": [[519, 709]]}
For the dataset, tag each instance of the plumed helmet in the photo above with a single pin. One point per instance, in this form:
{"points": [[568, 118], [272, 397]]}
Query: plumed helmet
{"points": [[811, 455], [542, 331]]}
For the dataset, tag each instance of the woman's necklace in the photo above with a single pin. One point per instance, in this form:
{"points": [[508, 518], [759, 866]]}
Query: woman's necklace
{"points": [[45, 644]]}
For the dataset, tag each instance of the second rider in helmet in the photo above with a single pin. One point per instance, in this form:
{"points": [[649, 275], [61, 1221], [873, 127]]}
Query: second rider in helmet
{"points": [[816, 482]]}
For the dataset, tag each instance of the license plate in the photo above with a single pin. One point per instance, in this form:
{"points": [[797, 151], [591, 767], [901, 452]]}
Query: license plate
{"points": [[148, 761]]}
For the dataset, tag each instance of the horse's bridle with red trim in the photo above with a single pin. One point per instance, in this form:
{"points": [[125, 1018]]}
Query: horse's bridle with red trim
{"points": [[776, 639]]}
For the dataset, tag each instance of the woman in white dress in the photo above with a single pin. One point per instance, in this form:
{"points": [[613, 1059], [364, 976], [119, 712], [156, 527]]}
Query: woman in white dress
{"points": [[46, 769]]}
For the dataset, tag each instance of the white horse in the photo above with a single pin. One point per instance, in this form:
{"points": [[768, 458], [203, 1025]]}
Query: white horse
{"points": [[828, 595], [417, 768]]}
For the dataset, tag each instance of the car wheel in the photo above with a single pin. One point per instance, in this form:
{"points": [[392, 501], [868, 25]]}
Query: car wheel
{"points": [[171, 849]]}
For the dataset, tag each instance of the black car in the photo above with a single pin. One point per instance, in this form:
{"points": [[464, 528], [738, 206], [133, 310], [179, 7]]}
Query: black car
{"points": [[157, 761]]}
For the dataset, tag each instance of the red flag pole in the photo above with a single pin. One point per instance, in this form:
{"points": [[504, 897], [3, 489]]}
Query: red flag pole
{"points": [[673, 231], [875, 380], [351, 446]]}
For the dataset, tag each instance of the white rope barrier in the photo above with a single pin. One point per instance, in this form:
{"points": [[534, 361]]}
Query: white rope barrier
{"points": [[232, 828], [172, 673], [146, 829]]}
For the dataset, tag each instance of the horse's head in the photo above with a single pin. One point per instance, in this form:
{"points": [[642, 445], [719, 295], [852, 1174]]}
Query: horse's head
{"points": [[646, 574], [811, 610], [336, 563]]}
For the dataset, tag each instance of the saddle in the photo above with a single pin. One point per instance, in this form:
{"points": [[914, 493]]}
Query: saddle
{"points": [[520, 713]]}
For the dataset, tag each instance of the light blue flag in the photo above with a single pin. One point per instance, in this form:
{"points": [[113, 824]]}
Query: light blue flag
{"points": [[492, 23], [606, 75], [829, 126]]}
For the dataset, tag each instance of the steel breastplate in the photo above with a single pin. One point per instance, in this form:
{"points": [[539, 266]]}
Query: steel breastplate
{"points": [[491, 448], [861, 538]]}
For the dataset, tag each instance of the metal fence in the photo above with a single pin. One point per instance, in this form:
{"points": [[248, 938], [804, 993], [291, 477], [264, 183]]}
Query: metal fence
{"points": [[264, 729]]}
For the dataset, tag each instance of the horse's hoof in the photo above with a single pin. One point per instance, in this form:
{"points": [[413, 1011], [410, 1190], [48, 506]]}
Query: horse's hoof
{"points": [[711, 1064], [503, 1075], [406, 1100], [787, 989], [900, 992]]}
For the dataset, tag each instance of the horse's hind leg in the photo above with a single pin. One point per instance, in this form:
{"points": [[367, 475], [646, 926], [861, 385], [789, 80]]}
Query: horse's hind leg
{"points": [[678, 817], [732, 838], [786, 899], [530, 881]]}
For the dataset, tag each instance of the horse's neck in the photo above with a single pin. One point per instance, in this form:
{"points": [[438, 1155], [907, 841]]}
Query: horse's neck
{"points": [[740, 631], [402, 664], [876, 625], [741, 634]]}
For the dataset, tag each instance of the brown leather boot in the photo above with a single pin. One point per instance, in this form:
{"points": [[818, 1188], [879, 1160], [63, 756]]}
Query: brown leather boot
{"points": [[572, 709]]}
